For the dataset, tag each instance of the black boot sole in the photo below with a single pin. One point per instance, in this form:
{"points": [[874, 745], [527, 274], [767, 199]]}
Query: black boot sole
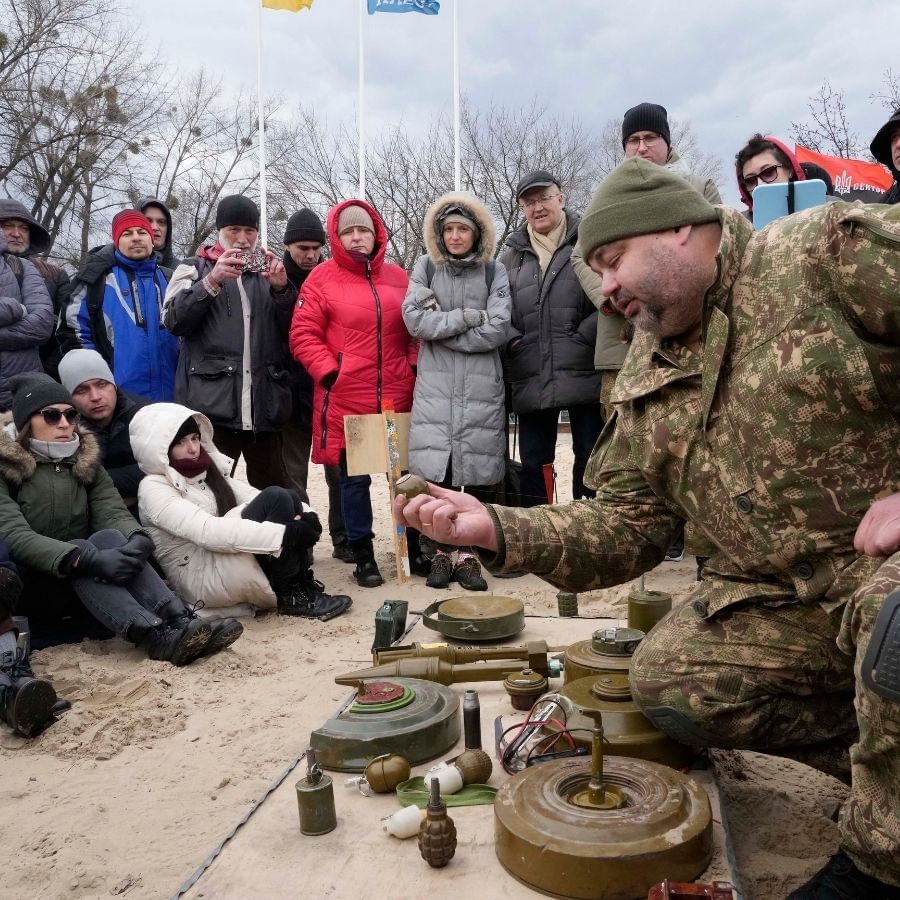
{"points": [[337, 612], [32, 707]]}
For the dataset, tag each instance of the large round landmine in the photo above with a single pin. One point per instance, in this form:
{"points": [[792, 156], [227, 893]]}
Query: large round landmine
{"points": [[627, 731], [416, 719], [608, 650], [660, 827]]}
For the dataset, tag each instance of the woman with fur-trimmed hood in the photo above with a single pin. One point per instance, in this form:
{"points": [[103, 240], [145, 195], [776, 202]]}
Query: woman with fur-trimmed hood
{"points": [[458, 305]]}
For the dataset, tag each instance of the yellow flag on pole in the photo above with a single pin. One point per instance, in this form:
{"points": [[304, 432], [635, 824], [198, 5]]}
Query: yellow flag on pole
{"points": [[289, 5]]}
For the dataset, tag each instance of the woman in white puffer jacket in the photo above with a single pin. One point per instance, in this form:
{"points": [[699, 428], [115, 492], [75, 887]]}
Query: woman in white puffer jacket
{"points": [[219, 541]]}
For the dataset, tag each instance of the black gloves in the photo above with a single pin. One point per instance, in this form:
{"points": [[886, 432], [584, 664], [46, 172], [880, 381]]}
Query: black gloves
{"points": [[142, 544], [302, 533], [118, 564]]}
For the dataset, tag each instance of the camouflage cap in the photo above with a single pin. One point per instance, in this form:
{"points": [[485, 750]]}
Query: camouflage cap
{"points": [[640, 197]]}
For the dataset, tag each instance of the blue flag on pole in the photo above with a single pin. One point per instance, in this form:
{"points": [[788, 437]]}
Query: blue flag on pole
{"points": [[427, 7]]}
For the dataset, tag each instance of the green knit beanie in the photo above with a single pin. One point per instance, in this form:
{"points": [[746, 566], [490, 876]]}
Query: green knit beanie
{"points": [[640, 197]]}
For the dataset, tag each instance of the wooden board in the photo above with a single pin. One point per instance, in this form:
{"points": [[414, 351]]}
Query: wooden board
{"points": [[367, 443]]}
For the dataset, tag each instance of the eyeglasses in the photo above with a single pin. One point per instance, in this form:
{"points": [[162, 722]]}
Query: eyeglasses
{"points": [[648, 140], [766, 175], [529, 205], [53, 416]]}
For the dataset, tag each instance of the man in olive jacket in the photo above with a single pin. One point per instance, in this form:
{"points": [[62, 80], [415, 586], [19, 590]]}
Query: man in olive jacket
{"points": [[549, 356], [234, 362]]}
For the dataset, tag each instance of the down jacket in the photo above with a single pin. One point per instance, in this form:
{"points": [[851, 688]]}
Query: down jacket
{"points": [[44, 504], [550, 353], [347, 323], [26, 319], [204, 556], [458, 409]]}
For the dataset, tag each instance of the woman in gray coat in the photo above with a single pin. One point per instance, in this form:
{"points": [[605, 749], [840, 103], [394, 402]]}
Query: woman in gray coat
{"points": [[458, 305]]}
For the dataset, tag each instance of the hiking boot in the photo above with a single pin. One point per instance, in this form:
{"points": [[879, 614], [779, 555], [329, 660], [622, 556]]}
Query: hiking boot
{"points": [[841, 880], [343, 552], [309, 600], [223, 632], [178, 646], [26, 702], [441, 571], [467, 574], [366, 572]]}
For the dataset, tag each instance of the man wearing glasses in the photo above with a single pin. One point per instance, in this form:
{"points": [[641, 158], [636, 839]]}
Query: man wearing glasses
{"points": [[549, 358], [764, 160]]}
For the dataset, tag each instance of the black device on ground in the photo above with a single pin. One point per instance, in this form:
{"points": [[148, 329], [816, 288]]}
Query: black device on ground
{"points": [[390, 623]]}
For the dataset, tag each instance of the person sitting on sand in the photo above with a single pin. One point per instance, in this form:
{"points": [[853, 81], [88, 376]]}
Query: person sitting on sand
{"points": [[220, 541]]}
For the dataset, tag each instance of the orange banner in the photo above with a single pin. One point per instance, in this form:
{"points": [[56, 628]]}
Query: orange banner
{"points": [[849, 174]]}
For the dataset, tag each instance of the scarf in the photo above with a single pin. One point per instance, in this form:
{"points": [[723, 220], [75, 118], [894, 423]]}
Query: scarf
{"points": [[295, 274], [191, 468], [212, 252], [55, 450], [545, 245]]}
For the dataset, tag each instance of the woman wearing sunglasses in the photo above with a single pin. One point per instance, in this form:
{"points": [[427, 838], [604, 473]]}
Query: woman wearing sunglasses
{"points": [[764, 160], [81, 554]]}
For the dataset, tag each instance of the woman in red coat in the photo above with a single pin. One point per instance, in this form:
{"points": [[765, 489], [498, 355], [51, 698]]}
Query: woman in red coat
{"points": [[348, 333]]}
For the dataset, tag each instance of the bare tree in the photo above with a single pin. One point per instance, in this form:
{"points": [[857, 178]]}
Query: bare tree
{"points": [[889, 96], [827, 128]]}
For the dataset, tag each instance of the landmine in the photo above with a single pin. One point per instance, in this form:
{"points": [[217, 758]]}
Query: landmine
{"points": [[269, 856]]}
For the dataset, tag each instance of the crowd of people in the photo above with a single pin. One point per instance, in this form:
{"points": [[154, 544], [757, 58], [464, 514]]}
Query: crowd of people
{"points": [[132, 389]]}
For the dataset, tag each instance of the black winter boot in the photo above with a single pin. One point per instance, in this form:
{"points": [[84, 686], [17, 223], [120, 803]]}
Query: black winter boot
{"points": [[343, 552], [467, 574], [26, 702], [419, 562], [440, 570], [841, 880], [309, 600], [223, 632], [178, 646], [366, 572]]}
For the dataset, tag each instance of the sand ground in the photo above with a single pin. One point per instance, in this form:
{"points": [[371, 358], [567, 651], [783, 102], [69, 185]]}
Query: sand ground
{"points": [[133, 787]]}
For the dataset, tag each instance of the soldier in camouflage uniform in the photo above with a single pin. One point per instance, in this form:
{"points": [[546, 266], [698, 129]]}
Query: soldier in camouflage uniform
{"points": [[760, 404]]}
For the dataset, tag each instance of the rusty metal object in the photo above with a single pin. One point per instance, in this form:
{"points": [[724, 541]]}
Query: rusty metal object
{"points": [[485, 618], [437, 834], [628, 732], [675, 890], [315, 799], [524, 688], [663, 829], [475, 766], [608, 650], [421, 730], [646, 608], [534, 654]]}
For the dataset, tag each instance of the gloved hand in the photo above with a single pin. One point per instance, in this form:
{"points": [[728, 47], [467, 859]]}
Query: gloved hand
{"points": [[299, 534], [474, 317], [118, 564], [142, 544], [426, 300]]}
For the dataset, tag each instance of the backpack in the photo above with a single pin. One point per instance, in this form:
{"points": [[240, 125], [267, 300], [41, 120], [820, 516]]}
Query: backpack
{"points": [[489, 269]]}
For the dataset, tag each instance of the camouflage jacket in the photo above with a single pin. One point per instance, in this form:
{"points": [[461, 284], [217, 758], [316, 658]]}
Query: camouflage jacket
{"points": [[772, 442]]}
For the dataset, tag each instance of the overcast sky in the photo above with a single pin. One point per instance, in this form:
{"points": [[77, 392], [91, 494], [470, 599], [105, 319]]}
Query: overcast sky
{"points": [[730, 68]]}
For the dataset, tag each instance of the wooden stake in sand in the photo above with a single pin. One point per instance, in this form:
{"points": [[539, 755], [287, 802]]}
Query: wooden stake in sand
{"points": [[379, 444]]}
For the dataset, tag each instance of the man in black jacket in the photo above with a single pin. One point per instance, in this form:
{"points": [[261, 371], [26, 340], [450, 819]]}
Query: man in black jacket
{"points": [[885, 148], [304, 238], [107, 412], [160, 219], [26, 237]]}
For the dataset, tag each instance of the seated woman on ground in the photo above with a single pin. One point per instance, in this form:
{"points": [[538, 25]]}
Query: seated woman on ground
{"points": [[221, 543], [81, 555]]}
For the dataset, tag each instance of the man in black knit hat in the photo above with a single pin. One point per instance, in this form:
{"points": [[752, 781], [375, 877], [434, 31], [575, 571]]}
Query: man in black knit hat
{"points": [[232, 307], [304, 239]]}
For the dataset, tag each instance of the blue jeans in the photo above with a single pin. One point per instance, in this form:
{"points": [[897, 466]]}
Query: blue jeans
{"points": [[537, 447], [357, 503]]}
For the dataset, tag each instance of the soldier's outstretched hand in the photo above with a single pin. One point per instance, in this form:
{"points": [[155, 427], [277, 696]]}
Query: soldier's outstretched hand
{"points": [[879, 531], [448, 517]]}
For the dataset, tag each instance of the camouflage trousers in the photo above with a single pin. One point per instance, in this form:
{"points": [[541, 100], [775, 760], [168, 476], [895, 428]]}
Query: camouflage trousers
{"points": [[784, 680]]}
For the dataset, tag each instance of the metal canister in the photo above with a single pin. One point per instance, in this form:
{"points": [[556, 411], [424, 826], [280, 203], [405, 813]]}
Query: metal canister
{"points": [[315, 799], [524, 688], [608, 650], [567, 603], [646, 608]]}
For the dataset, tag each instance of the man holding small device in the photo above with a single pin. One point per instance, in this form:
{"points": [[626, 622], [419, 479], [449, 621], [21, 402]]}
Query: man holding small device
{"points": [[231, 305]]}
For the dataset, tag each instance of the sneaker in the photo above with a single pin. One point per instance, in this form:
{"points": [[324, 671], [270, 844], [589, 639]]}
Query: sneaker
{"points": [[441, 571], [26, 702], [675, 554], [367, 575], [841, 880], [178, 646], [309, 600], [343, 552], [467, 574]]}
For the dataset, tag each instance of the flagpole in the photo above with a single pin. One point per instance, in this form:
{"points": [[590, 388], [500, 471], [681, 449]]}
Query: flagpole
{"points": [[361, 117], [263, 224], [457, 161]]}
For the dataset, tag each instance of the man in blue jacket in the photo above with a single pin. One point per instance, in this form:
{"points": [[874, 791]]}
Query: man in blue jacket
{"points": [[116, 309]]}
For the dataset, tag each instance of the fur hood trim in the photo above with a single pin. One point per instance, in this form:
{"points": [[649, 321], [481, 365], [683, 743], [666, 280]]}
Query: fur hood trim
{"points": [[478, 211], [18, 464]]}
